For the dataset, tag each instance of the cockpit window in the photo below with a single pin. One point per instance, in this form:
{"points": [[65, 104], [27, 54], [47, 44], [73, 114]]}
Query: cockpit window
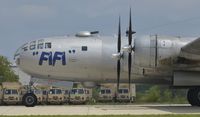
{"points": [[19, 50], [84, 48], [32, 45], [40, 44], [25, 47], [48, 45]]}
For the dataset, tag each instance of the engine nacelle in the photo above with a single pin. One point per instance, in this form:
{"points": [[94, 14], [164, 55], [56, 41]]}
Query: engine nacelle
{"points": [[156, 51]]}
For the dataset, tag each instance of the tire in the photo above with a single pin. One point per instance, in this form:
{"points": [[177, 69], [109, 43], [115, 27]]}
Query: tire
{"points": [[193, 96], [190, 97], [29, 100]]}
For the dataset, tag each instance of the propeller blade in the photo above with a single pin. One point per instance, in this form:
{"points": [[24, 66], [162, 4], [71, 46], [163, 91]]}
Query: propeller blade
{"points": [[118, 73], [130, 44], [130, 30], [118, 50], [119, 37], [129, 68]]}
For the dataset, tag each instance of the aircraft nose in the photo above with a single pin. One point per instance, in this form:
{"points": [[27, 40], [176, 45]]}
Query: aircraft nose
{"points": [[18, 53], [17, 56]]}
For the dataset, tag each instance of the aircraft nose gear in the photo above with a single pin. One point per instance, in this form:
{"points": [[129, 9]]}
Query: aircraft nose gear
{"points": [[193, 96], [29, 100]]}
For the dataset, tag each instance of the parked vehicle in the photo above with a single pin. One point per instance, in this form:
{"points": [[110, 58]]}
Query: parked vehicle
{"points": [[126, 95], [105, 95], [77, 96], [55, 96], [12, 93]]}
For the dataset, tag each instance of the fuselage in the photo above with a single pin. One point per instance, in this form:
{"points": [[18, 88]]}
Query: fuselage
{"points": [[83, 59]]}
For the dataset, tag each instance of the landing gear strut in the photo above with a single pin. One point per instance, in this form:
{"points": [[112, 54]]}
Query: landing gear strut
{"points": [[193, 96]]}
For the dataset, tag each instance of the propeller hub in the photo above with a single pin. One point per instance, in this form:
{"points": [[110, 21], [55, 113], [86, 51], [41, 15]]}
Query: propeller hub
{"points": [[117, 56], [127, 48]]}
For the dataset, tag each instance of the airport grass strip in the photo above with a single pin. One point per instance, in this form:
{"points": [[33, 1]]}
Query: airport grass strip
{"points": [[187, 115]]}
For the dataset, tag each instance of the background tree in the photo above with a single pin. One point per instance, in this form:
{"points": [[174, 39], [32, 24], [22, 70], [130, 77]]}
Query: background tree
{"points": [[6, 73], [160, 94]]}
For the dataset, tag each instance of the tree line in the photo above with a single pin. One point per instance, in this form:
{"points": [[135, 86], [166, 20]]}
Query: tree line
{"points": [[6, 73]]}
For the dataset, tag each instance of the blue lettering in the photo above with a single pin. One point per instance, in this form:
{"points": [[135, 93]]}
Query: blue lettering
{"points": [[48, 56], [59, 56], [44, 57]]}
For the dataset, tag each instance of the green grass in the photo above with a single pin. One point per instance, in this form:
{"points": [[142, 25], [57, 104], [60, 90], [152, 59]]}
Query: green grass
{"points": [[110, 116]]}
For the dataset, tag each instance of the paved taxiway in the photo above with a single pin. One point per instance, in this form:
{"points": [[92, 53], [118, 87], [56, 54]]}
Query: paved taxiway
{"points": [[100, 109]]}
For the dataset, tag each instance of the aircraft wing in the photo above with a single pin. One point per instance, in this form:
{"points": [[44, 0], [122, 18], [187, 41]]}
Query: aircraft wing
{"points": [[192, 50]]}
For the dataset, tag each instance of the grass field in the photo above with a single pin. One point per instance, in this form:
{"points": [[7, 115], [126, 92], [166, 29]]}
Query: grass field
{"points": [[110, 116]]}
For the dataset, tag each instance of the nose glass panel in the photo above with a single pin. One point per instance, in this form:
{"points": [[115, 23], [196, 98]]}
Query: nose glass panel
{"points": [[20, 50]]}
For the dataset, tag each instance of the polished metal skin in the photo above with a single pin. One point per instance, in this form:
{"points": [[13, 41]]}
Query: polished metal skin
{"points": [[95, 64], [153, 60]]}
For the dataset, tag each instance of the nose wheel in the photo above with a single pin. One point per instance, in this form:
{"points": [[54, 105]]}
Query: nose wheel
{"points": [[193, 96], [29, 100]]}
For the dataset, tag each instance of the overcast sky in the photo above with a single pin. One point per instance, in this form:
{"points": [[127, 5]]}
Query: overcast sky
{"points": [[25, 20]]}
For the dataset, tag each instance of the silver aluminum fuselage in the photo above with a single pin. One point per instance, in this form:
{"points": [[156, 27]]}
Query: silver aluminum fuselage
{"points": [[154, 59]]}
